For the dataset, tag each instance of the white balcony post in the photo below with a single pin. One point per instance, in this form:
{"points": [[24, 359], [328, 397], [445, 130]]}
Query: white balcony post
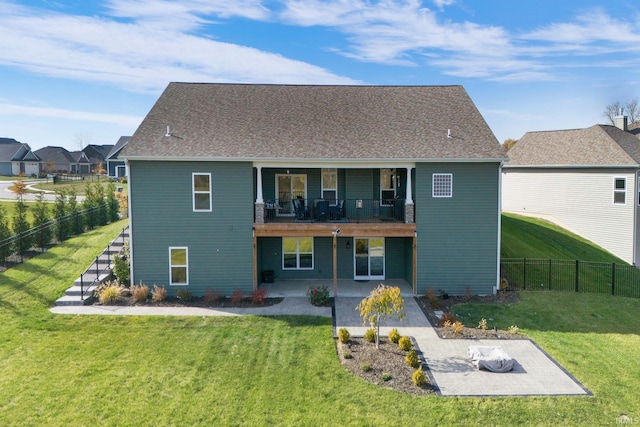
{"points": [[409, 197], [259, 185]]}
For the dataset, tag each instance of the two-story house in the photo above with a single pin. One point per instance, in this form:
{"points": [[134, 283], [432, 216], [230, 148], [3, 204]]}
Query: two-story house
{"points": [[231, 184]]}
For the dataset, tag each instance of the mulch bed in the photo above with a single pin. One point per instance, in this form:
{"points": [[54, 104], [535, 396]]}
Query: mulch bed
{"points": [[127, 300]]}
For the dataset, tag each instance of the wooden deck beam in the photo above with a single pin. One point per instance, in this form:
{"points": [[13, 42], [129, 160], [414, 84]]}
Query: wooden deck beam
{"points": [[326, 229]]}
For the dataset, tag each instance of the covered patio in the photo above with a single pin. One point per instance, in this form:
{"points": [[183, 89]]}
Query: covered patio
{"points": [[346, 287]]}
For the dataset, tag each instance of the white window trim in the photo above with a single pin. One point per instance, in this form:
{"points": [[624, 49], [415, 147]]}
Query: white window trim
{"points": [[617, 191], [194, 192], [440, 193], [297, 267], [186, 266], [332, 171]]}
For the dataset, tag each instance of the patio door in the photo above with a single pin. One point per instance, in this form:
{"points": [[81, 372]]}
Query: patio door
{"points": [[369, 258], [289, 187]]}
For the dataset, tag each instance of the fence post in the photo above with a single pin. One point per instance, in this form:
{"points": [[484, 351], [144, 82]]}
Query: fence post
{"points": [[82, 287], [97, 270], [524, 273], [549, 273], [577, 273], [613, 278]]}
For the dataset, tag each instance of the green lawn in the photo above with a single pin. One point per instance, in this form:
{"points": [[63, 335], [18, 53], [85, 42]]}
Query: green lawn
{"points": [[101, 370], [79, 186], [9, 207], [526, 237]]}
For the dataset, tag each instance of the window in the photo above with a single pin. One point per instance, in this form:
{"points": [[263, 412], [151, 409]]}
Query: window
{"points": [[442, 185], [330, 185], [620, 191], [202, 192], [178, 266], [388, 178], [297, 253]]}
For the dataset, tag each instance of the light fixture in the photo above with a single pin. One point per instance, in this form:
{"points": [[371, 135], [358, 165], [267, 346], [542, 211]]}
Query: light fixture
{"points": [[348, 244]]}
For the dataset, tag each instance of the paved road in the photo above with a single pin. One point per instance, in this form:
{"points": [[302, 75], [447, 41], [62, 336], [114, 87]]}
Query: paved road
{"points": [[6, 194]]}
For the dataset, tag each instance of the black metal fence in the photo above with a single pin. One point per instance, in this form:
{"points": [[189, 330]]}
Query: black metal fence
{"points": [[319, 210], [101, 267], [571, 275]]}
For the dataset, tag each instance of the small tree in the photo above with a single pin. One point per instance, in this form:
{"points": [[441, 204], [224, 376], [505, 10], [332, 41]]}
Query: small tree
{"points": [[383, 302], [5, 233], [100, 201], [91, 207], [77, 218], [19, 188], [113, 207], [63, 228], [20, 225], [40, 219]]}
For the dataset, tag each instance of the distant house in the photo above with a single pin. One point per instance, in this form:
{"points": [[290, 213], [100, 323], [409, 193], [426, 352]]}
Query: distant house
{"points": [[583, 179], [90, 158], [55, 159], [234, 185], [17, 158], [115, 166]]}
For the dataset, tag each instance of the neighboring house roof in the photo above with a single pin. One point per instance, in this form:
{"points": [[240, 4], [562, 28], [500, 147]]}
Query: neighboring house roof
{"points": [[281, 122], [55, 155], [634, 128], [597, 146], [80, 157], [113, 154], [14, 151]]}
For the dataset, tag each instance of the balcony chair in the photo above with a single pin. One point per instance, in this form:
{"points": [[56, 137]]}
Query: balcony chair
{"points": [[336, 212]]}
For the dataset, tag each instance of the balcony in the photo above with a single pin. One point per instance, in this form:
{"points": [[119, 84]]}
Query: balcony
{"points": [[355, 211]]}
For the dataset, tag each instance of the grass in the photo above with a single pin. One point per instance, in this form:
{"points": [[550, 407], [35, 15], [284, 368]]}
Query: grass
{"points": [[111, 370], [526, 237], [9, 207], [79, 186]]}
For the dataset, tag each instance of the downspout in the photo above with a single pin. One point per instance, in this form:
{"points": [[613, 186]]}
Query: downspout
{"points": [[497, 287], [129, 210]]}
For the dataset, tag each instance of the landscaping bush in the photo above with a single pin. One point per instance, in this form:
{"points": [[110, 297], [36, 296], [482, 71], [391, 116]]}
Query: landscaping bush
{"points": [[121, 265], [237, 296], [365, 366], [394, 336], [386, 376], [482, 324], [344, 335], [434, 301], [412, 359], [513, 330], [370, 335], [159, 293], [405, 343], [184, 295], [140, 293], [110, 292], [258, 296], [211, 296], [448, 317], [318, 295], [457, 327], [418, 377]]}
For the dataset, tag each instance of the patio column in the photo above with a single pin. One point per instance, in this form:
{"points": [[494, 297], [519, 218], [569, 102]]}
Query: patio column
{"points": [[335, 263], [259, 205], [409, 196], [409, 211], [415, 262]]}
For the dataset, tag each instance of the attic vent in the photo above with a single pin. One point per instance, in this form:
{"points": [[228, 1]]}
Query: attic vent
{"points": [[168, 134], [449, 133]]}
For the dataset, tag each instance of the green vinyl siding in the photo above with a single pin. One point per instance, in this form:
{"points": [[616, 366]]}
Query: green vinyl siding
{"points": [[458, 236], [220, 242]]}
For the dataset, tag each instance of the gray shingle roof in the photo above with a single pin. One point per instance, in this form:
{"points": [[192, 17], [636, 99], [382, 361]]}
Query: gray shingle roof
{"points": [[122, 141], [55, 155], [599, 145], [281, 122]]}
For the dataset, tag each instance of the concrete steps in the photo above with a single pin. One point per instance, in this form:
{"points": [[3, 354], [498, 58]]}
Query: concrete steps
{"points": [[94, 275]]}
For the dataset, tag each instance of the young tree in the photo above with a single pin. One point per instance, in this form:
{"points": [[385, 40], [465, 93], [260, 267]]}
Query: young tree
{"points": [[19, 188], [382, 303], [63, 226], [20, 225], [5, 233], [40, 219], [91, 207], [77, 218], [113, 207], [100, 201]]}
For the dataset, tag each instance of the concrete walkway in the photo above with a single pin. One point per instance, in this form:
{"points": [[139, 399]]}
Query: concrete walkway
{"points": [[449, 368]]}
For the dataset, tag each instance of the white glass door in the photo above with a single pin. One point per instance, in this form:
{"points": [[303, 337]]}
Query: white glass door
{"points": [[289, 187], [369, 258]]}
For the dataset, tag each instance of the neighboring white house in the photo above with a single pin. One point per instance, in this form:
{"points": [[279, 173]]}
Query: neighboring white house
{"points": [[585, 180]]}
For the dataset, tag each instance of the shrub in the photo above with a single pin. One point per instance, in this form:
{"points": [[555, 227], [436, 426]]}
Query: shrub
{"points": [[159, 293], [405, 343], [140, 293], [237, 296], [184, 295], [110, 292], [386, 376], [348, 355], [370, 335], [344, 335], [365, 366], [482, 324], [318, 295], [394, 336], [211, 296], [258, 296], [121, 265], [513, 330], [448, 316], [412, 359], [457, 327], [418, 377], [433, 298]]}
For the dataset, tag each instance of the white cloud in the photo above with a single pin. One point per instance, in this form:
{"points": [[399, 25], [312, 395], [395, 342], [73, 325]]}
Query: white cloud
{"points": [[142, 56], [71, 115]]}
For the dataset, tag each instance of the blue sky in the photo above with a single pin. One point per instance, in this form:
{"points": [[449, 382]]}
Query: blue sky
{"points": [[81, 72]]}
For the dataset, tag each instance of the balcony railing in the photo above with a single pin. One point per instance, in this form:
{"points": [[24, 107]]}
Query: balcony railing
{"points": [[350, 210]]}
